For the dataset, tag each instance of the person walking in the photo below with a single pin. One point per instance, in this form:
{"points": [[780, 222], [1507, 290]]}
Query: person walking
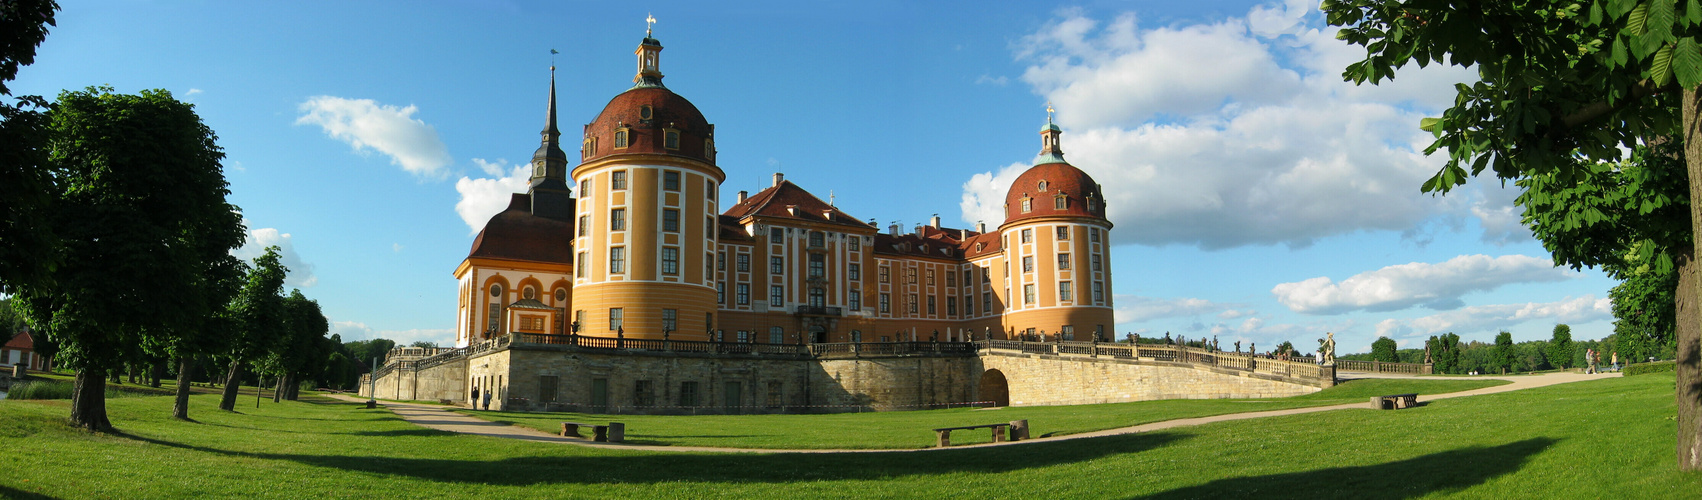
{"points": [[488, 399], [1616, 361], [1587, 365], [475, 397]]}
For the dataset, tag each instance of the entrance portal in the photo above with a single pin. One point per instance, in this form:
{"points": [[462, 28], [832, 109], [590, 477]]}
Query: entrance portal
{"points": [[818, 334], [994, 388]]}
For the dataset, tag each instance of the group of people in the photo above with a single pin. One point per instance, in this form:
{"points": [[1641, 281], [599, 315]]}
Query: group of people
{"points": [[486, 400], [1593, 361]]}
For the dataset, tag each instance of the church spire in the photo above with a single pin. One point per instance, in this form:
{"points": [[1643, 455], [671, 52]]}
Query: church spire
{"points": [[649, 55], [550, 160], [1050, 150]]}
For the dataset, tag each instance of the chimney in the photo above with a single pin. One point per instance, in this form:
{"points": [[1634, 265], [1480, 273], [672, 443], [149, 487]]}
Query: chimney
{"points": [[980, 227], [963, 234], [779, 178], [935, 221], [742, 195], [918, 230], [893, 229]]}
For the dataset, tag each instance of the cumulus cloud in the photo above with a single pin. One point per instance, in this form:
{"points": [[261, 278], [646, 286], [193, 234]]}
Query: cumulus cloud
{"points": [[301, 272], [393, 131], [1265, 144], [484, 197], [1489, 318], [1435, 286], [351, 331], [1131, 308]]}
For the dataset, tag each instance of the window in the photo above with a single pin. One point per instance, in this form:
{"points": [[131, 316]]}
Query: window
{"points": [[1027, 235], [708, 184], [709, 152], [742, 263], [931, 310], [1063, 233], [855, 300], [590, 147], [1028, 293], [817, 239], [617, 260], [645, 113], [688, 393], [986, 275], [1098, 292], [968, 278], [1007, 269], [670, 319], [854, 271], [615, 324], [585, 187], [620, 138], [951, 306], [671, 139], [617, 219], [642, 394], [1041, 186], [776, 296], [1027, 204], [986, 303], [1093, 235], [617, 179], [709, 227], [910, 275], [773, 394], [951, 278], [818, 265], [1064, 294], [670, 260], [583, 258], [1028, 263], [1069, 332], [708, 321], [818, 297], [775, 234], [857, 336], [776, 265], [584, 225], [886, 274], [528, 292], [914, 303], [742, 294], [886, 303], [561, 295], [578, 319], [1060, 202], [776, 335], [855, 242], [1063, 261], [744, 337], [671, 220], [1096, 263], [532, 323], [721, 261], [720, 292], [671, 180], [930, 277]]}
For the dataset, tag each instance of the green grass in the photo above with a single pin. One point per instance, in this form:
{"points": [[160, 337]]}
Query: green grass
{"points": [[1610, 438], [911, 429], [61, 389]]}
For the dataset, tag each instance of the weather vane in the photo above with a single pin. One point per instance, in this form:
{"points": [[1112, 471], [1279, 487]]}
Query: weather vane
{"points": [[649, 24], [1048, 111], [553, 53]]}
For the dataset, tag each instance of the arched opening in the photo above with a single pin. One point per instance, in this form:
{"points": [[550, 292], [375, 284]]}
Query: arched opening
{"points": [[818, 334], [994, 388]]}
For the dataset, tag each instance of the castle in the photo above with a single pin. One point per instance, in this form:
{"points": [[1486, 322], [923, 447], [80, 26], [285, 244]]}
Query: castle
{"points": [[640, 295]]}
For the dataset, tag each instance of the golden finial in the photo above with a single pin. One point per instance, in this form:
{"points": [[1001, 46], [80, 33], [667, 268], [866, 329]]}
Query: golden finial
{"points": [[1048, 111], [649, 23]]}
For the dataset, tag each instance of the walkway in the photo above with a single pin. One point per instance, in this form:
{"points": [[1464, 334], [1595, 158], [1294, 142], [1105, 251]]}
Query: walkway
{"points": [[437, 417]]}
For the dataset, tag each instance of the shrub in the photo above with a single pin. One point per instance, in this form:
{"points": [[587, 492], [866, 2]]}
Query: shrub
{"points": [[1647, 368]]}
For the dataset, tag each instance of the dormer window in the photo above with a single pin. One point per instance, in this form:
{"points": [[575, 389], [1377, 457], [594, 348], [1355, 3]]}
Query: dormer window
{"points": [[709, 148], [1091, 205], [645, 113], [1060, 202], [1042, 185], [621, 135], [1027, 204], [978, 246], [590, 148], [670, 138]]}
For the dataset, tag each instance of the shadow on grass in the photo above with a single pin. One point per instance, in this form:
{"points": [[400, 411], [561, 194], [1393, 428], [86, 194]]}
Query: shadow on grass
{"points": [[10, 492], [1448, 471], [620, 468]]}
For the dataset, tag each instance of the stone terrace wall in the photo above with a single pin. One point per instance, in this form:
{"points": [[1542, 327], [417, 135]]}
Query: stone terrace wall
{"points": [[1065, 380]]}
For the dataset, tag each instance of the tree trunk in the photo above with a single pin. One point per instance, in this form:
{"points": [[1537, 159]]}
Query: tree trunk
{"points": [[180, 408], [233, 380], [88, 400], [154, 375], [1688, 308], [278, 393]]}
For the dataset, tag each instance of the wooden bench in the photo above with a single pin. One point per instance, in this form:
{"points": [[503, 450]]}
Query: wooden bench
{"points": [[614, 432], [998, 432], [1395, 401]]}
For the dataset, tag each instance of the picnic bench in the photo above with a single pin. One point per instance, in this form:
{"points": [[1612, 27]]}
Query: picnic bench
{"points": [[1395, 401], [614, 432], [1018, 429]]}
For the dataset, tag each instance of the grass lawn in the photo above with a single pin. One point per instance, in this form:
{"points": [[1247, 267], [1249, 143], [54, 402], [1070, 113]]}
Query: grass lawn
{"points": [[910, 429], [1610, 438]]}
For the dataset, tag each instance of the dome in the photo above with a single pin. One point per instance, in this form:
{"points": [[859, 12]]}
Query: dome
{"points": [[517, 234], [667, 110], [1043, 184]]}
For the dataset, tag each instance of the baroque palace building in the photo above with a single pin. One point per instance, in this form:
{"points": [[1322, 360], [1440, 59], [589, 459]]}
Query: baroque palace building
{"points": [[644, 250]]}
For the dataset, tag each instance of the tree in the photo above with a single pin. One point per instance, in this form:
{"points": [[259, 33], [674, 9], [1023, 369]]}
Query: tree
{"points": [[1502, 356], [223, 279], [1564, 84], [302, 350], [139, 186], [259, 320], [1560, 347], [1383, 349], [27, 249]]}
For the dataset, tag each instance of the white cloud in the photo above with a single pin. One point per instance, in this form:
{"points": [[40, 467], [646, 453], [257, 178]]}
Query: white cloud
{"points": [[391, 130], [483, 198], [991, 80], [301, 272], [1435, 286], [1132, 308], [1484, 319], [396, 247], [354, 330], [1262, 143], [191, 92]]}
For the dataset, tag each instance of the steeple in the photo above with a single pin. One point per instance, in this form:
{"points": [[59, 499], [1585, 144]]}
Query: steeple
{"points": [[548, 186], [1050, 150], [649, 54]]}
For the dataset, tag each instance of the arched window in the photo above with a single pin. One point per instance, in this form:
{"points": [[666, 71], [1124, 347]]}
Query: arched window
{"points": [[621, 138], [1027, 204], [1060, 202], [494, 321], [671, 139]]}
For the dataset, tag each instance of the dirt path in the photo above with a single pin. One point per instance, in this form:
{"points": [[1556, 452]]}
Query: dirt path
{"points": [[437, 417]]}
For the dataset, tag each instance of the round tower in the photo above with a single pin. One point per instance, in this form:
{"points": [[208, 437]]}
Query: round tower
{"points": [[1057, 247], [646, 214]]}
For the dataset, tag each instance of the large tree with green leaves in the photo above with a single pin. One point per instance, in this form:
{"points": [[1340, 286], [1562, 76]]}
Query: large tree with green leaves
{"points": [[1383, 349], [140, 200], [1560, 347], [1503, 355], [26, 187], [1564, 85], [258, 320]]}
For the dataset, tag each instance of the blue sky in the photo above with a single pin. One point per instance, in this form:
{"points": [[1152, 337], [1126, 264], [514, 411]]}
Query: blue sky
{"points": [[1256, 197]]}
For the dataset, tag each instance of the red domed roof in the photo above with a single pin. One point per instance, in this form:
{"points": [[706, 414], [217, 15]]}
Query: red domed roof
{"points": [[646, 136], [1044, 183], [517, 234]]}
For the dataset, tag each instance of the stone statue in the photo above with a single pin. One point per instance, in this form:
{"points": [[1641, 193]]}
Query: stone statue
{"points": [[1238, 347], [1327, 352], [1427, 353]]}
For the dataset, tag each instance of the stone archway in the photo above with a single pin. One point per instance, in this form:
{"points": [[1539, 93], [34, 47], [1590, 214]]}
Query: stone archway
{"points": [[994, 388], [818, 334]]}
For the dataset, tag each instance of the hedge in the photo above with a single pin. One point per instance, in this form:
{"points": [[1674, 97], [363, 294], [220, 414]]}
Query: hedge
{"points": [[1647, 368]]}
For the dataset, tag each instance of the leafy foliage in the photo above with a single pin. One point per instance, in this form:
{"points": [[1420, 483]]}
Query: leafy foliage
{"points": [[1503, 355], [1383, 349], [1560, 347], [1647, 368]]}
